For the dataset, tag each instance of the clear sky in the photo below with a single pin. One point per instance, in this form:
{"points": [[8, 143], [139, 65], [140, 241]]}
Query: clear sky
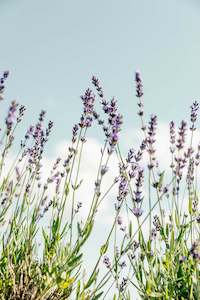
{"points": [[54, 47]]}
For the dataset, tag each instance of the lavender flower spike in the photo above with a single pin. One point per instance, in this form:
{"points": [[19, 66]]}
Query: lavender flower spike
{"points": [[2, 79], [139, 85], [193, 116], [11, 116]]}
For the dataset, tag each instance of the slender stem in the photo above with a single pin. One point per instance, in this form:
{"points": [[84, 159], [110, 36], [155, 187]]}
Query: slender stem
{"points": [[75, 188], [131, 241]]}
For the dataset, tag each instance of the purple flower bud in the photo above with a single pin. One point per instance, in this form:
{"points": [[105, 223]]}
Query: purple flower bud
{"points": [[119, 220], [137, 211], [6, 74], [123, 284], [104, 170], [107, 262]]}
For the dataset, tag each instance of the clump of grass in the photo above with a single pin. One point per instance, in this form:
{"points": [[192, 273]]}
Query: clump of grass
{"points": [[152, 246]]}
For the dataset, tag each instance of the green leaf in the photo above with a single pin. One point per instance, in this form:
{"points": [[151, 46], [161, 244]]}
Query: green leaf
{"points": [[148, 245], [79, 229], [63, 230], [155, 295], [86, 233], [75, 260], [104, 248], [167, 230], [162, 233], [141, 241], [97, 296], [67, 189], [91, 279], [190, 206], [172, 240], [78, 289], [55, 226], [130, 229], [177, 221]]}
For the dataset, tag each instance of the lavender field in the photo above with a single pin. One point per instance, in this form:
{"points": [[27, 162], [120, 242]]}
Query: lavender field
{"points": [[99, 150], [152, 246]]}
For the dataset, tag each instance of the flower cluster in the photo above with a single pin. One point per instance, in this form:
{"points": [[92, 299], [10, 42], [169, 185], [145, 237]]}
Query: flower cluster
{"points": [[115, 121], [197, 156], [2, 86], [172, 134], [181, 135], [11, 116], [157, 223], [139, 94], [123, 284], [150, 140], [40, 137], [122, 191], [193, 116], [98, 87], [194, 251], [74, 133], [88, 100], [107, 262], [139, 184], [139, 85], [190, 172], [180, 159], [128, 171]]}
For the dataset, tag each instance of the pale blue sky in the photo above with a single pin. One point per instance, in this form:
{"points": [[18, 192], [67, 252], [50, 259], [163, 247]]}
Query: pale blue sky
{"points": [[54, 47]]}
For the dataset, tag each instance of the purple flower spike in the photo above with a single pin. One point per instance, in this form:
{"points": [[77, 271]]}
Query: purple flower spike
{"points": [[193, 116], [182, 134], [107, 262], [139, 85], [74, 133], [96, 83], [172, 134], [29, 132], [139, 182], [88, 100], [2, 87], [11, 117]]}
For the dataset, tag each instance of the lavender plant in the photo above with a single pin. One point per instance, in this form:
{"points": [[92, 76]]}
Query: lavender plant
{"points": [[152, 246], [161, 259]]}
